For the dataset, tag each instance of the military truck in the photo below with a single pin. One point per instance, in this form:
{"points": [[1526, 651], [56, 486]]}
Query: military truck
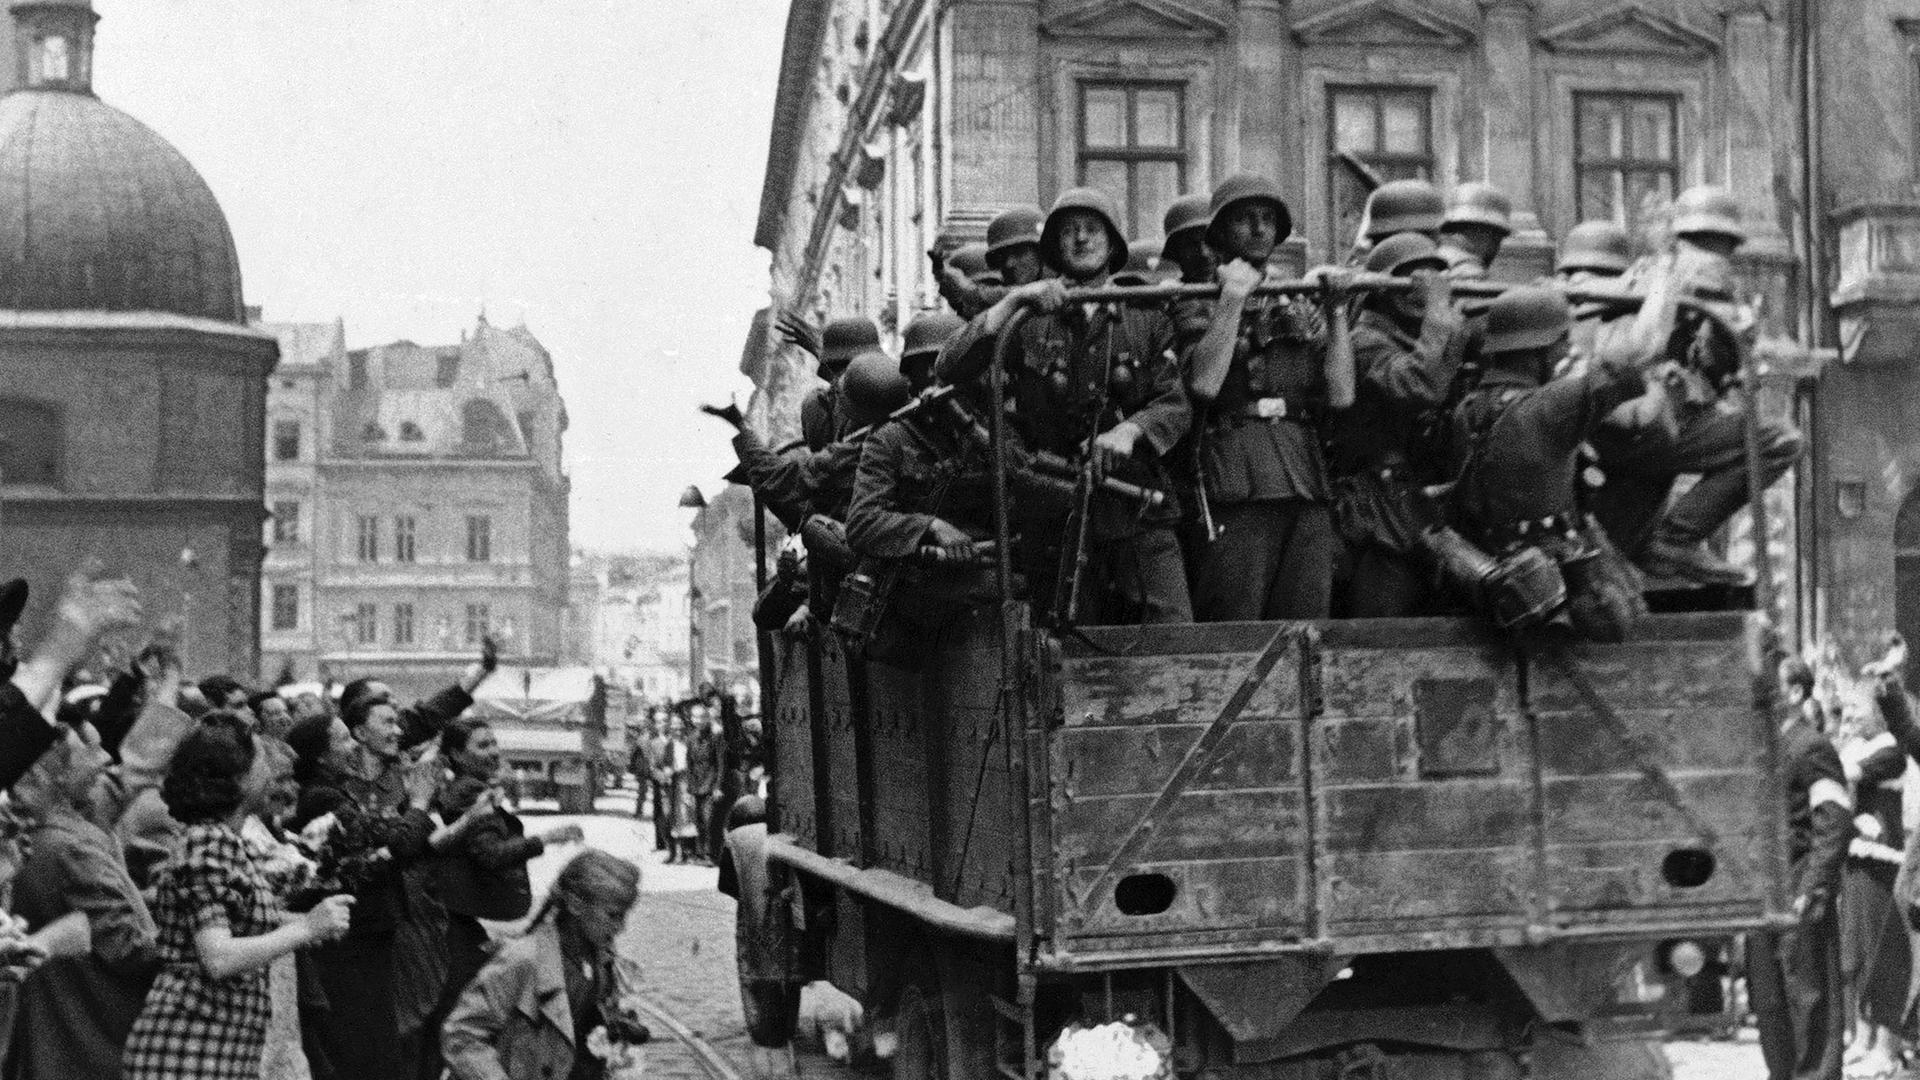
{"points": [[1279, 851]]}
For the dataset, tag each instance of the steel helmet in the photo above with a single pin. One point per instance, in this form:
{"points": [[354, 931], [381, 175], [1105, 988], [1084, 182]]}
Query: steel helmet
{"points": [[1476, 203], [1082, 198], [1020, 225], [1708, 209], [874, 386], [1246, 187], [1529, 317], [1143, 259], [843, 339], [1187, 212], [969, 259], [1598, 246], [1403, 253], [928, 331], [1404, 206]]}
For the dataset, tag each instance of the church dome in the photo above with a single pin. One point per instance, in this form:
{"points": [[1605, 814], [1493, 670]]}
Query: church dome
{"points": [[97, 212]]}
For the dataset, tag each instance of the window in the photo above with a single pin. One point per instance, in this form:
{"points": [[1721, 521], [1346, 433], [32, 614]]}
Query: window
{"points": [[1626, 155], [369, 539], [1133, 147], [30, 443], [286, 522], [366, 624], [56, 62], [286, 607], [446, 370], [476, 623], [356, 371], [286, 440], [403, 539], [410, 432], [479, 538], [1374, 134], [373, 432], [403, 624]]}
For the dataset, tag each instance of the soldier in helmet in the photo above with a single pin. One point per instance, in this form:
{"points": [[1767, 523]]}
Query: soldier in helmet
{"points": [[1263, 372], [1407, 351], [1593, 250], [1090, 380], [1186, 244], [1013, 246], [1521, 431], [921, 501], [966, 282], [822, 418], [1399, 206], [1478, 221], [1702, 429]]}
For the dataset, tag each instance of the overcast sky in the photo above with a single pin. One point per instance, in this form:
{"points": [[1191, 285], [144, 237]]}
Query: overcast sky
{"points": [[590, 166]]}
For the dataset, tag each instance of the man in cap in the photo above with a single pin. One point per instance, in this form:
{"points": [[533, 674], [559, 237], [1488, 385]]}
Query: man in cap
{"points": [[1399, 206], [1702, 427], [1478, 221], [1522, 429], [1090, 380], [1186, 244], [1263, 372], [1407, 352]]}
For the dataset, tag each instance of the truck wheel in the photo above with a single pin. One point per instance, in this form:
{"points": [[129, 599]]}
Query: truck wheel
{"points": [[921, 1053]]}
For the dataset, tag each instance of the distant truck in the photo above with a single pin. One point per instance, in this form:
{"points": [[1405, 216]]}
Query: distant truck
{"points": [[552, 726]]}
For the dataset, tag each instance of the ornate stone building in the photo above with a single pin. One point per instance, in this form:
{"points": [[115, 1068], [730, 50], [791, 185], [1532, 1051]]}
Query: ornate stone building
{"points": [[902, 124], [421, 504], [132, 390]]}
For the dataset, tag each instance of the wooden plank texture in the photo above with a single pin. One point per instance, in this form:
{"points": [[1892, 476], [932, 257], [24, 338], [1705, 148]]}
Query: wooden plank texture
{"points": [[793, 777], [842, 779]]}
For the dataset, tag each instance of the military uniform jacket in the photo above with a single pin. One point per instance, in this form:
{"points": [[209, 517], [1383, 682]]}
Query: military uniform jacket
{"points": [[1400, 375], [1281, 353], [1056, 364], [910, 473], [1525, 469], [1462, 265], [800, 481]]}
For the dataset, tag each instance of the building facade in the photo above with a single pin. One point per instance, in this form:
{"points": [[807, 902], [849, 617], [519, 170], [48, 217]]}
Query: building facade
{"points": [[902, 125], [725, 647], [132, 390], [421, 505]]}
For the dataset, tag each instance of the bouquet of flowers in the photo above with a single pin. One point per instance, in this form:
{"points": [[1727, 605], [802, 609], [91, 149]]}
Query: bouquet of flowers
{"points": [[350, 848], [1122, 1050], [619, 1041]]}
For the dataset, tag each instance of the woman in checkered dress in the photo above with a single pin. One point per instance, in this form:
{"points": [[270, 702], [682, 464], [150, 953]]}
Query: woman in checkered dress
{"points": [[220, 923]]}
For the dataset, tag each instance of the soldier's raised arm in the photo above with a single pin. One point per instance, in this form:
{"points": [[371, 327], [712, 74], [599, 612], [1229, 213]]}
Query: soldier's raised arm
{"points": [[1207, 360]]}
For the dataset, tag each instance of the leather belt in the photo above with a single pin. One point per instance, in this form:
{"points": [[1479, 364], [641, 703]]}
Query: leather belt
{"points": [[1298, 410]]}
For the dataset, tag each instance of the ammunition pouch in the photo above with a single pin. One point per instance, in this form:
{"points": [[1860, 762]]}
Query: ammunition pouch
{"points": [[859, 607], [1519, 591], [826, 543]]}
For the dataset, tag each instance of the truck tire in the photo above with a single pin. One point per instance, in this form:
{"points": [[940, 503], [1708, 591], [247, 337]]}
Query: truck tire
{"points": [[920, 1027]]}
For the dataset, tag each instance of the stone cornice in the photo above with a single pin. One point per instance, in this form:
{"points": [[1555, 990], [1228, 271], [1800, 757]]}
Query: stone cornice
{"points": [[1630, 26], [1382, 22], [1100, 18]]}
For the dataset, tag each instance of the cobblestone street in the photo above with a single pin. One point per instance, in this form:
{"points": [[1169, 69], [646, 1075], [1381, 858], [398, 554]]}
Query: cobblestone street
{"points": [[681, 932]]}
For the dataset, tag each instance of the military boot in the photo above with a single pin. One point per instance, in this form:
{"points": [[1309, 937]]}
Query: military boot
{"points": [[1667, 558]]}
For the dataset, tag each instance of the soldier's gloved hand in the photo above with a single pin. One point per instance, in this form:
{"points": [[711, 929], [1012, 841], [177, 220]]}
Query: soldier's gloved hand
{"points": [[1118, 441], [941, 534], [731, 414], [1047, 295], [1237, 279], [798, 332]]}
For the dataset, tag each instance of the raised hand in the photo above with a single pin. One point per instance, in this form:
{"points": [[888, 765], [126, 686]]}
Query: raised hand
{"points": [[798, 332]]}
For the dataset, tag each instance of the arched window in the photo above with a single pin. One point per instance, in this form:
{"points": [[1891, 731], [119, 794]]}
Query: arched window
{"points": [[410, 432], [373, 432], [31, 442], [484, 429]]}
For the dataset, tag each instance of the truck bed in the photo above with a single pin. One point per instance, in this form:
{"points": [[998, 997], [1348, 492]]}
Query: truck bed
{"points": [[1211, 792]]}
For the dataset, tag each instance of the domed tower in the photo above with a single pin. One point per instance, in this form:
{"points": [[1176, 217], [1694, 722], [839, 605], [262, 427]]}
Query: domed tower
{"points": [[132, 391]]}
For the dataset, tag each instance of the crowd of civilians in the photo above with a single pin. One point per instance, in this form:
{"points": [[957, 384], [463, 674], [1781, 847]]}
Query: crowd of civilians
{"points": [[204, 880]]}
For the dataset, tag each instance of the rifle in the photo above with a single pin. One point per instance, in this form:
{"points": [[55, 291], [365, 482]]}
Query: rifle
{"points": [[1051, 472]]}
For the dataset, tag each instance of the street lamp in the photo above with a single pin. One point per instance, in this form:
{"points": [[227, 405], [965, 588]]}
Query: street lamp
{"points": [[692, 500]]}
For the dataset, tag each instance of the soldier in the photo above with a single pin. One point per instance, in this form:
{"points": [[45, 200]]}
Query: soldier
{"points": [[922, 498], [1144, 265], [1186, 244], [1398, 206], [822, 419], [1521, 434], [1704, 431], [1478, 221], [1013, 246], [920, 346], [1593, 250], [967, 283], [1264, 372], [1407, 351], [1093, 381]]}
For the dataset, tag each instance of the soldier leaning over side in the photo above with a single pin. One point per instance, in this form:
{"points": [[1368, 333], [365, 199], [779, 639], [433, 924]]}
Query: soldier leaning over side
{"points": [[1520, 432], [922, 500], [1090, 379], [1012, 255], [1704, 430], [822, 417], [1407, 350], [1263, 371]]}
